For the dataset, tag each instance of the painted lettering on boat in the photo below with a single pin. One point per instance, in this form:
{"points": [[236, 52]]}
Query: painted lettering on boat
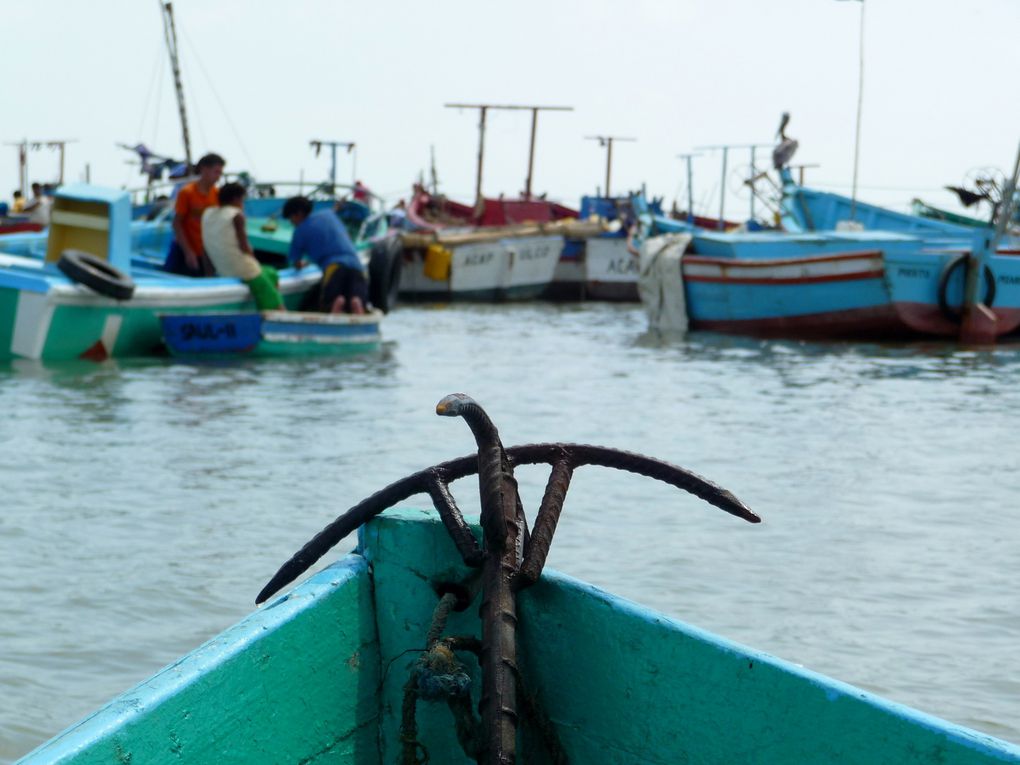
{"points": [[623, 266], [193, 330], [1007, 279], [922, 273], [478, 258], [540, 253]]}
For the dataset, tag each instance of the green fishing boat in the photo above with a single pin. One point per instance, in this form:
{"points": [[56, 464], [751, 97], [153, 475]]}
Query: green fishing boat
{"points": [[378, 658], [925, 210]]}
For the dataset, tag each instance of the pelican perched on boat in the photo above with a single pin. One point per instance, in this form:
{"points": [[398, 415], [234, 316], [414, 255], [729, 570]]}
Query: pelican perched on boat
{"points": [[786, 148]]}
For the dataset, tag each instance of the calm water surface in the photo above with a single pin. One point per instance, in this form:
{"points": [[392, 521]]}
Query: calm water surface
{"points": [[146, 503]]}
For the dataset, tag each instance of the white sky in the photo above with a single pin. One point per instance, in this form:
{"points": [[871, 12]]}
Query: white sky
{"points": [[940, 96]]}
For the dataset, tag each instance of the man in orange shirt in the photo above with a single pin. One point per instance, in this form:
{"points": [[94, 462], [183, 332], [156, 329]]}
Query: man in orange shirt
{"points": [[187, 255]]}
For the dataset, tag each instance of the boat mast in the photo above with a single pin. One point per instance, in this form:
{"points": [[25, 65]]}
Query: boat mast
{"points": [[860, 102], [690, 185], [170, 32], [725, 158], [25, 145], [317, 145], [607, 141], [433, 176], [483, 110]]}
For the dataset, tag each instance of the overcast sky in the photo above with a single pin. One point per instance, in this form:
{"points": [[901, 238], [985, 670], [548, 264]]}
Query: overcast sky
{"points": [[263, 78]]}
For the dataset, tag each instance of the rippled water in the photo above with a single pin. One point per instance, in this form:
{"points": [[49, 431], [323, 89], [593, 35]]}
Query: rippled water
{"points": [[146, 503]]}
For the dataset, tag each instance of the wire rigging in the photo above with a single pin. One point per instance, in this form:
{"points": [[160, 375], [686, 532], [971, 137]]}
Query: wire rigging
{"points": [[159, 101], [197, 113], [148, 92], [219, 101]]}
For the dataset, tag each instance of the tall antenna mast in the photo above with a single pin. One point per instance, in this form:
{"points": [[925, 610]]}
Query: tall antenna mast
{"points": [[170, 32], [860, 102], [483, 110]]}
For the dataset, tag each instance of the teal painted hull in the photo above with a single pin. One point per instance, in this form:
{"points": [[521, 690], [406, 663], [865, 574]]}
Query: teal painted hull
{"points": [[318, 675], [46, 317]]}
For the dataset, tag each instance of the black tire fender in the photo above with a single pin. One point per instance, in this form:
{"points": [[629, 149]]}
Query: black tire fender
{"points": [[956, 314], [384, 266], [96, 274]]}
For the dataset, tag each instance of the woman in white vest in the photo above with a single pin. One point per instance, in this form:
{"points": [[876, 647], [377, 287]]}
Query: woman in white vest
{"points": [[226, 243]]}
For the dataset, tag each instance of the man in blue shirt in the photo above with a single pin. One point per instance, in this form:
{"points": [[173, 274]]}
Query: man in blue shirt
{"points": [[322, 239]]}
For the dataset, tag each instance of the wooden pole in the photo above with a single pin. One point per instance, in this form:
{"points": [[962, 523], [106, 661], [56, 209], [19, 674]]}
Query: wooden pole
{"points": [[481, 153], [333, 145], [609, 164], [483, 108], [170, 32], [690, 186], [23, 167], [531, 152], [24, 146], [725, 157], [754, 170], [607, 141], [722, 189]]}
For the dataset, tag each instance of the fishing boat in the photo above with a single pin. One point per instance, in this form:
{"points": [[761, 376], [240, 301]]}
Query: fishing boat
{"points": [[270, 333], [17, 225], [500, 250], [839, 284], [380, 658], [805, 209], [890, 275], [93, 286], [606, 266], [922, 209], [600, 267]]}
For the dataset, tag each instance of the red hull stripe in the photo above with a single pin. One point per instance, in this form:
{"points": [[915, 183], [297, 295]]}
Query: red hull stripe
{"points": [[769, 263]]}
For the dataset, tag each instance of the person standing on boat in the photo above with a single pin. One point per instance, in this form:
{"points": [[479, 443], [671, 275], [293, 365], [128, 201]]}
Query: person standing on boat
{"points": [[322, 239], [361, 192], [225, 241], [187, 254], [19, 202], [39, 208]]}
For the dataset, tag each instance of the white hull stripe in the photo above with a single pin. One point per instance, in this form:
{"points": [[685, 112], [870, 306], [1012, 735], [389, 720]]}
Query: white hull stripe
{"points": [[31, 325], [111, 328], [738, 271]]}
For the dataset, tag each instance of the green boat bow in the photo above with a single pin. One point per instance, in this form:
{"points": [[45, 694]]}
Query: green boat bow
{"points": [[318, 675]]}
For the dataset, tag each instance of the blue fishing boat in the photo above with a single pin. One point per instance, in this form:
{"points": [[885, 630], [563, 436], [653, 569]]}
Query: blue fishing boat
{"points": [[381, 657], [270, 333], [895, 276], [809, 210]]}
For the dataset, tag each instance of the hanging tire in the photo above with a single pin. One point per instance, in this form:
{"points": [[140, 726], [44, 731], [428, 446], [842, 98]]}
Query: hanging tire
{"points": [[384, 265], [956, 314], [96, 274]]}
